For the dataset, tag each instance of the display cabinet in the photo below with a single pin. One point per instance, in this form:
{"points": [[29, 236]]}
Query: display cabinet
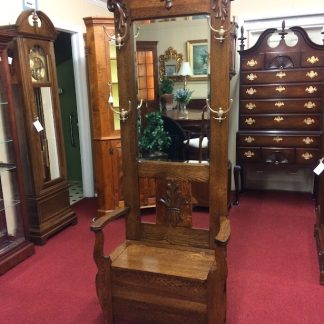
{"points": [[40, 131], [14, 243]]}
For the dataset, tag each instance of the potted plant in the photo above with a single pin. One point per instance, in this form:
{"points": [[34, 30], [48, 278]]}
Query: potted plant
{"points": [[183, 96], [166, 93], [153, 139]]}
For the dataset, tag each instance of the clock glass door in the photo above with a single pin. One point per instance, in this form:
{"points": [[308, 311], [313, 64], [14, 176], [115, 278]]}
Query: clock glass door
{"points": [[44, 120]]}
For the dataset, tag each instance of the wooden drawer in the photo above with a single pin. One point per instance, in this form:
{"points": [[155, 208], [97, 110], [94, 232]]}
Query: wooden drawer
{"points": [[307, 156], [278, 155], [282, 76], [312, 59], [249, 154], [280, 106], [289, 122], [300, 90], [278, 140], [253, 62]]}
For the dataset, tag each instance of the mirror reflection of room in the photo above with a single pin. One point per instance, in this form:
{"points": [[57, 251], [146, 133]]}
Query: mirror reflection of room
{"points": [[172, 57]]}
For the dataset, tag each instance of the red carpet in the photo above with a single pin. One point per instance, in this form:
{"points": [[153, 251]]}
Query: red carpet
{"points": [[273, 269]]}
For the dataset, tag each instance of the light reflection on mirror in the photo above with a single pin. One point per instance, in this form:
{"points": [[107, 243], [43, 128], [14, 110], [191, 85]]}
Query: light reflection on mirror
{"points": [[189, 38], [47, 136]]}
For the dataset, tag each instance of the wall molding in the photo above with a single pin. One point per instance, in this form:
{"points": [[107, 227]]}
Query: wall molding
{"points": [[312, 23]]}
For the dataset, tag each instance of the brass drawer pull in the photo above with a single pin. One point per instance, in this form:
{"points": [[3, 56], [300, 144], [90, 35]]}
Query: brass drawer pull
{"points": [[309, 121], [280, 89], [250, 106], [310, 105], [250, 121], [278, 119], [312, 59], [249, 139], [312, 74], [251, 77], [251, 91], [278, 139], [311, 89], [308, 140], [307, 156], [279, 104], [252, 62], [281, 74], [249, 154]]}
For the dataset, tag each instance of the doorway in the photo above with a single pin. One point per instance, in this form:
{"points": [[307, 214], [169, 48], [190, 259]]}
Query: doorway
{"points": [[69, 114]]}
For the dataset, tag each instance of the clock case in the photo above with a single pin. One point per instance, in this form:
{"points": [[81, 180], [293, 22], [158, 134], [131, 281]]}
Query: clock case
{"points": [[37, 103]]}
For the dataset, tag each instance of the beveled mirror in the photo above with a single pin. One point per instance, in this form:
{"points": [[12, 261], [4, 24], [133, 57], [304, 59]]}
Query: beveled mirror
{"points": [[178, 41], [177, 30]]}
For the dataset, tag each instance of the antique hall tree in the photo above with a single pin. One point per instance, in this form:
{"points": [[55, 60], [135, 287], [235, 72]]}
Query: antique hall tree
{"points": [[168, 271]]}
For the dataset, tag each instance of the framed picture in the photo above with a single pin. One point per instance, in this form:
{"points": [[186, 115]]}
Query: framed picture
{"points": [[170, 70], [198, 57]]}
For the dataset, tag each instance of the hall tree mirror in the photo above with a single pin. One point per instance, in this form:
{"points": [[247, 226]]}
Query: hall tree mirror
{"points": [[163, 48], [144, 291], [149, 41]]}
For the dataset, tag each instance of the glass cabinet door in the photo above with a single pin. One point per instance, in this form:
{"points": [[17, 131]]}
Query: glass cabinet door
{"points": [[12, 230]]}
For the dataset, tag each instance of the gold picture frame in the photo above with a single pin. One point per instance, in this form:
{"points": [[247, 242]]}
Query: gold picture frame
{"points": [[198, 58]]}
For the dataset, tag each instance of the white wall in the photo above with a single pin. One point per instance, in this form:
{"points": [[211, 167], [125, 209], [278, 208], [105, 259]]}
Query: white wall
{"points": [[64, 14], [252, 9]]}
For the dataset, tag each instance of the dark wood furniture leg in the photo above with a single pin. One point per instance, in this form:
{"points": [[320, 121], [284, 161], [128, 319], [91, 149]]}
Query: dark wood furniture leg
{"points": [[238, 182]]}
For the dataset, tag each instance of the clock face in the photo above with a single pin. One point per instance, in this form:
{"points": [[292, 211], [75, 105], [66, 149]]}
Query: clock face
{"points": [[37, 64]]}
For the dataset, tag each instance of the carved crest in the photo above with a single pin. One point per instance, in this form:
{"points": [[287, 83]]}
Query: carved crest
{"points": [[120, 11], [220, 7], [174, 202]]}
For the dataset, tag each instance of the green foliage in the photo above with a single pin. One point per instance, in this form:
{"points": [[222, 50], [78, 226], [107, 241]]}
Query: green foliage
{"points": [[153, 138], [183, 95], [166, 86]]}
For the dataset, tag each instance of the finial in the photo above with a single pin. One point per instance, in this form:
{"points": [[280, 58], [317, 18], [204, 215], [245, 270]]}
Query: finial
{"points": [[242, 39], [283, 31]]}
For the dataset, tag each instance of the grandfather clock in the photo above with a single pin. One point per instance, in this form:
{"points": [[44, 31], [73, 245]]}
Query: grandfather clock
{"points": [[40, 130]]}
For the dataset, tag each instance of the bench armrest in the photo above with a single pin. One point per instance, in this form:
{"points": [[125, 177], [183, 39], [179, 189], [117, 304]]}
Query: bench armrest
{"points": [[100, 222]]}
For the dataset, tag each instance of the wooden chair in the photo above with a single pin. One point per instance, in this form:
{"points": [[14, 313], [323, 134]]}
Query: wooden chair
{"points": [[178, 136], [197, 140]]}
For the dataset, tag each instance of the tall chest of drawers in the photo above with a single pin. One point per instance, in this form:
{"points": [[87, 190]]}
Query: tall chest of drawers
{"points": [[281, 104]]}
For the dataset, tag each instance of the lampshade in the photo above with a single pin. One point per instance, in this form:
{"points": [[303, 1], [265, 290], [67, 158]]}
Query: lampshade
{"points": [[185, 69]]}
